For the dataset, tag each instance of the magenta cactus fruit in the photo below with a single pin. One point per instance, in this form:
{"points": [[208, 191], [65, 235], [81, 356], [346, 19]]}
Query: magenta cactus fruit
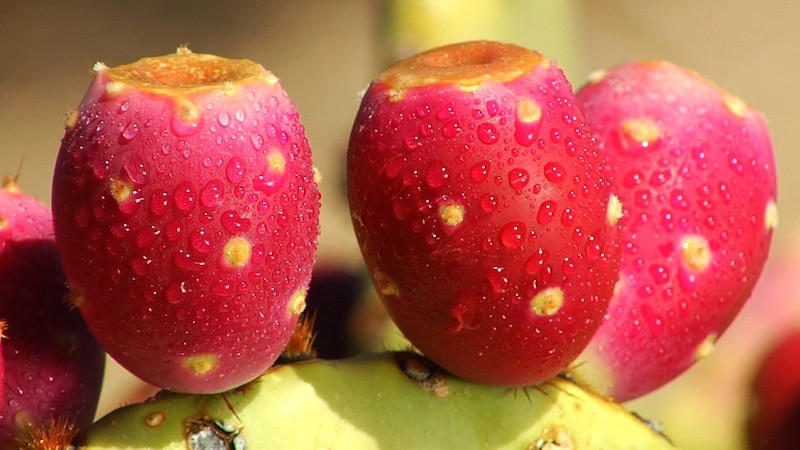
{"points": [[53, 364], [187, 214], [696, 175], [483, 210]]}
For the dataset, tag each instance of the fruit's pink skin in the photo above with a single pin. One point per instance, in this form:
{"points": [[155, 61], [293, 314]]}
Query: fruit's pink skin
{"points": [[464, 213], [151, 270], [53, 364], [693, 164]]}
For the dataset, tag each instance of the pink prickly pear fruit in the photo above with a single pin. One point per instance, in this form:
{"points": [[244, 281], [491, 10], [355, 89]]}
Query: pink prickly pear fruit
{"points": [[696, 175], [187, 214], [483, 210], [774, 421], [53, 364]]}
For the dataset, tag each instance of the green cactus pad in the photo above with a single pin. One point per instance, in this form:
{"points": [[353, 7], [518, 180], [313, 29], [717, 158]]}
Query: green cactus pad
{"points": [[379, 401]]}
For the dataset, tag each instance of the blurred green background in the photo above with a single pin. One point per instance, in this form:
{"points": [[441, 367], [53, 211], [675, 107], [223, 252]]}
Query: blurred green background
{"points": [[325, 52]]}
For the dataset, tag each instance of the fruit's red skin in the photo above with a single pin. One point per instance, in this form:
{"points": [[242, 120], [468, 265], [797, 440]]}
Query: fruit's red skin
{"points": [[710, 173], [775, 414], [462, 294], [157, 292], [53, 365]]}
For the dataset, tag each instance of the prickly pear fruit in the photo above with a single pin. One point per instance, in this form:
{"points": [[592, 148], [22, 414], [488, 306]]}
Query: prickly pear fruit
{"points": [[483, 210], [417, 407], [186, 213], [775, 396], [53, 364], [696, 176]]}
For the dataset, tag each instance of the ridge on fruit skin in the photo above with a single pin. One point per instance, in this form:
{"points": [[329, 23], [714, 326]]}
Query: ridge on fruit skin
{"points": [[187, 215], [51, 365], [377, 401], [695, 171], [484, 210]]}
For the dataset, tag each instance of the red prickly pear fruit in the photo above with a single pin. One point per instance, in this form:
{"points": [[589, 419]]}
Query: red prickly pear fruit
{"points": [[187, 214], [696, 176], [53, 364], [774, 422], [483, 210]]}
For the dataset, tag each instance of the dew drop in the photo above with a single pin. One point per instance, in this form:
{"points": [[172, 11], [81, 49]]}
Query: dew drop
{"points": [[239, 114], [535, 263], [159, 203], [518, 178], [488, 202], [546, 212], [567, 217], [184, 196], [234, 224], [436, 176], [224, 119], [659, 273], [257, 140], [212, 193], [200, 241], [678, 200], [141, 265], [173, 230], [593, 248], [498, 281], [512, 234], [128, 133], [234, 171], [480, 171], [176, 292], [487, 133], [568, 266], [554, 172], [145, 236]]}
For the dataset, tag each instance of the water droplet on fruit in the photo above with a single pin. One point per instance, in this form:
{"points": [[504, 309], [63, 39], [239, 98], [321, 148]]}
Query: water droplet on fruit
{"points": [[450, 129], [632, 179], [535, 263], [257, 140], [184, 196], [593, 248], [487, 133], [200, 241], [512, 234], [546, 212], [235, 170], [234, 224], [437, 175], [567, 217], [659, 273], [173, 230], [653, 321], [480, 171], [176, 292], [224, 119], [128, 133], [568, 266], [141, 265], [239, 115], [518, 178], [554, 172], [488, 202], [678, 199], [498, 281], [211, 194], [659, 177], [159, 203], [145, 236]]}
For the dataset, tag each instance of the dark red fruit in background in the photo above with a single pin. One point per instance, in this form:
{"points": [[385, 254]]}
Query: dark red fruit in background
{"points": [[53, 365]]}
